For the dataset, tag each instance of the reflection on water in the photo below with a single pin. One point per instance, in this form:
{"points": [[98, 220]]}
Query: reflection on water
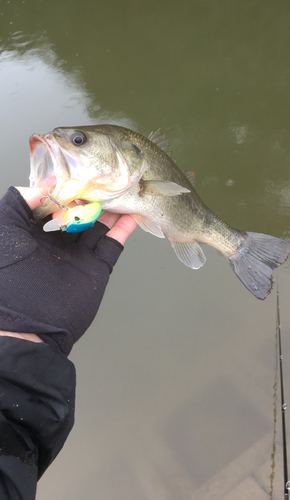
{"points": [[22, 72], [33, 63], [21, 43], [241, 133], [174, 393]]}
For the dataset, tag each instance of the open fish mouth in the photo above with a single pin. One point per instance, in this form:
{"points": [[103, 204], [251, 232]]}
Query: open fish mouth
{"points": [[42, 162]]}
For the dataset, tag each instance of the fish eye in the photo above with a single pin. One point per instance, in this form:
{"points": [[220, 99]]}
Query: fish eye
{"points": [[78, 138]]}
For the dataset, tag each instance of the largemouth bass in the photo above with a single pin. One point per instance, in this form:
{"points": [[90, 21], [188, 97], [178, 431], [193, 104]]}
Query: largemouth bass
{"points": [[131, 174]]}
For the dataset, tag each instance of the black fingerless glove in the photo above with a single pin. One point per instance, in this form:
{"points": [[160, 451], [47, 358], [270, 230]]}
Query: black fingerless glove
{"points": [[51, 284]]}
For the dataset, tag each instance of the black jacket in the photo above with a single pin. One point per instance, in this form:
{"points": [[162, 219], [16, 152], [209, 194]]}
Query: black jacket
{"points": [[37, 399]]}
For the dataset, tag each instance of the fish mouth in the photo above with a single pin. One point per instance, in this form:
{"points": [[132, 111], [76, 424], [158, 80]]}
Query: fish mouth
{"points": [[42, 162]]}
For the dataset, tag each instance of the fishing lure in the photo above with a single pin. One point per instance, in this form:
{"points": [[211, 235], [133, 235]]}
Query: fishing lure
{"points": [[75, 219]]}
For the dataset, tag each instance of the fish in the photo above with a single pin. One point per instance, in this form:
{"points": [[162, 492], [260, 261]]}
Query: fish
{"points": [[128, 173]]}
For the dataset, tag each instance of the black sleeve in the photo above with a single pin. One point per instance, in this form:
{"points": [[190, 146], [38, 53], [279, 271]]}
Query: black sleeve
{"points": [[37, 398]]}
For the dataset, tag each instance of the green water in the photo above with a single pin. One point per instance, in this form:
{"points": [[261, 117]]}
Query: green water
{"points": [[175, 375]]}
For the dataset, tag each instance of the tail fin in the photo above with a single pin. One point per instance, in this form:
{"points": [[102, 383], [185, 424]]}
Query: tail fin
{"points": [[255, 260]]}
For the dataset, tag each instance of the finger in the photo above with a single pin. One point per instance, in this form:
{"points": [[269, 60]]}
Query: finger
{"points": [[109, 219], [123, 227], [32, 196]]}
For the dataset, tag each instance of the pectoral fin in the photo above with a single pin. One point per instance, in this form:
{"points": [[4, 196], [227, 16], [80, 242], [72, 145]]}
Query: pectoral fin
{"points": [[190, 253], [161, 188], [148, 225]]}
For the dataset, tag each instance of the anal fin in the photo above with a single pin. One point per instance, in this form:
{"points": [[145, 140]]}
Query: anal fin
{"points": [[189, 252]]}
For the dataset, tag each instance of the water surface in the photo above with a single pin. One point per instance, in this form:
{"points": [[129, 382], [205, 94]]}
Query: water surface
{"points": [[175, 375]]}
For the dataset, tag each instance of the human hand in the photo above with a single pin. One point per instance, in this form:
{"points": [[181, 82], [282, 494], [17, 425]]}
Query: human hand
{"points": [[51, 284]]}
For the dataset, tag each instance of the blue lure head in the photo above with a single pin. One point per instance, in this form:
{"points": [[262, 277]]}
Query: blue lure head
{"points": [[81, 217]]}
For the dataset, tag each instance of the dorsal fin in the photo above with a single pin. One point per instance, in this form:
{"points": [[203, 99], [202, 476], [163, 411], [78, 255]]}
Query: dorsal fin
{"points": [[160, 141], [190, 176]]}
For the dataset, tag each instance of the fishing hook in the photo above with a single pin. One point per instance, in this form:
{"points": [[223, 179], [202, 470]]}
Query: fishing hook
{"points": [[63, 207]]}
